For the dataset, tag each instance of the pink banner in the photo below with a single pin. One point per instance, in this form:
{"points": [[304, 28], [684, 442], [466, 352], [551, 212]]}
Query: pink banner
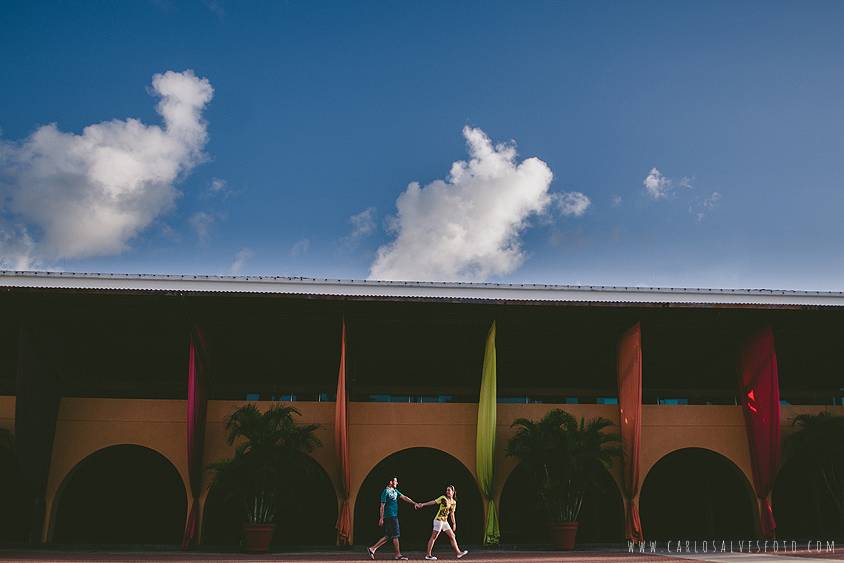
{"points": [[341, 443], [629, 369], [760, 400], [196, 429]]}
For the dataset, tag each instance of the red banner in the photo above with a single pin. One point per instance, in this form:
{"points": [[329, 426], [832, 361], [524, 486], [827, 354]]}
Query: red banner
{"points": [[196, 404], [760, 400]]}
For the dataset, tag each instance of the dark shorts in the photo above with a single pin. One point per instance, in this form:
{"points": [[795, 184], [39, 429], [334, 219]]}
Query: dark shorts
{"points": [[391, 527]]}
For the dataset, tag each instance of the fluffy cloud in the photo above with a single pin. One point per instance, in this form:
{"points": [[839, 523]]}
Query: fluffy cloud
{"points": [[658, 185], [89, 194], [466, 227], [572, 204]]}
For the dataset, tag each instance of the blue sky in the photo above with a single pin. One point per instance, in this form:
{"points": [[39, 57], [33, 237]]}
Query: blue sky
{"points": [[323, 113]]}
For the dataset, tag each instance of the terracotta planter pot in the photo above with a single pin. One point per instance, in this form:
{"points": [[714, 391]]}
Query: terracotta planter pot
{"points": [[564, 534], [258, 537]]}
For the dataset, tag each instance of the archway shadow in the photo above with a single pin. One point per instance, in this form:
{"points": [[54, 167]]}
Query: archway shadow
{"points": [[523, 519], [423, 474], [305, 517], [124, 494], [695, 493], [16, 503], [802, 508]]}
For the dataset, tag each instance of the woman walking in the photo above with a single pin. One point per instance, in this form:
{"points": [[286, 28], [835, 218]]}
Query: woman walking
{"points": [[446, 507]]}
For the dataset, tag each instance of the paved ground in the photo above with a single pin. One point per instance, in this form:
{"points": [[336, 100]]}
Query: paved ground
{"points": [[600, 554]]}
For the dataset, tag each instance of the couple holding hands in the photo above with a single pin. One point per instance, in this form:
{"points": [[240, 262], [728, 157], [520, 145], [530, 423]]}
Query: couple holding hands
{"points": [[389, 519]]}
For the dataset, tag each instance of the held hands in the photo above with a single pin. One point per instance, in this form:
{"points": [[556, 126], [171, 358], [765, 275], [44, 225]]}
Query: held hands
{"points": [[417, 505]]}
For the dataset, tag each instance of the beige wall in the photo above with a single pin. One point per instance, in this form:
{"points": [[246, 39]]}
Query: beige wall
{"points": [[376, 430]]}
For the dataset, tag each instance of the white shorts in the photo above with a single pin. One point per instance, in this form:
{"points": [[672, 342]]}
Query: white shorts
{"points": [[441, 525]]}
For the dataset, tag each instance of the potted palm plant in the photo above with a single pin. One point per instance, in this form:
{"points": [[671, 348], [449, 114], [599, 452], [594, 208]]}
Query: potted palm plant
{"points": [[818, 439], [267, 458], [563, 456]]}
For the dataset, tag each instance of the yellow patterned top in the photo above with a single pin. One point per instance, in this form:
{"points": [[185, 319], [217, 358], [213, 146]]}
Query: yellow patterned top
{"points": [[446, 507]]}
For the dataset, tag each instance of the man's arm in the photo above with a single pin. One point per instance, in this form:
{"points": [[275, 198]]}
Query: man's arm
{"points": [[381, 515], [407, 499]]}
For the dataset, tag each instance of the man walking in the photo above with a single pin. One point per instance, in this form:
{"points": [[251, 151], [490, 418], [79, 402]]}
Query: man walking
{"points": [[389, 518]]}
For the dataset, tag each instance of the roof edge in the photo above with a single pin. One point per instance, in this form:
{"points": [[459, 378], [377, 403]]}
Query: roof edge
{"points": [[413, 289]]}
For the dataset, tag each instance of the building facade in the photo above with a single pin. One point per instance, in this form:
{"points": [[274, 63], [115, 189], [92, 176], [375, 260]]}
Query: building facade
{"points": [[96, 368]]}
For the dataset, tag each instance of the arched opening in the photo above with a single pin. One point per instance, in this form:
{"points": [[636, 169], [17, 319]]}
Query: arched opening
{"points": [[124, 494], [307, 515], [802, 507], [523, 519], [16, 506], [423, 474], [694, 493]]}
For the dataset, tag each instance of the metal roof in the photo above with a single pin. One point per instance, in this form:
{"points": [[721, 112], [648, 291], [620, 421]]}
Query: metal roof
{"points": [[411, 290]]}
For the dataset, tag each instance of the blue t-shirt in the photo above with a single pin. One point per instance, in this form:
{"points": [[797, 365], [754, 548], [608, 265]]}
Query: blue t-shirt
{"points": [[390, 498]]}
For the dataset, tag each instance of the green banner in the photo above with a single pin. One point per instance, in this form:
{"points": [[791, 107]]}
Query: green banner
{"points": [[485, 447]]}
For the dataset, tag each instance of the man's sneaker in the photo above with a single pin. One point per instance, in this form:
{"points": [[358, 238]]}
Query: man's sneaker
{"points": [[462, 553], [370, 552], [430, 558], [401, 558]]}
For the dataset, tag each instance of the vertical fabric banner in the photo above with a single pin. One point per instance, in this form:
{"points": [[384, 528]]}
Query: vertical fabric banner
{"points": [[38, 392], [760, 400], [341, 445], [629, 370], [485, 446], [196, 407]]}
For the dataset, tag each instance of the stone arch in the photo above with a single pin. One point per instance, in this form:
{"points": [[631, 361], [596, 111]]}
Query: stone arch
{"points": [[307, 518], [523, 520], [697, 493], [423, 474], [120, 494]]}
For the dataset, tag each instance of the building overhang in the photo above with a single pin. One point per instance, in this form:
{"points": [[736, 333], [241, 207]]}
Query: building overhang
{"points": [[418, 291]]}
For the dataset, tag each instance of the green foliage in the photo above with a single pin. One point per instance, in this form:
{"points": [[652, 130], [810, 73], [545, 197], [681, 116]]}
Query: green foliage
{"points": [[818, 441], [564, 455], [268, 457]]}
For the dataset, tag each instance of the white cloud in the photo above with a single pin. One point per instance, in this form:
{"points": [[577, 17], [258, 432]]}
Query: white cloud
{"points": [[572, 204], [363, 223], [201, 223], [243, 255], [17, 249], [89, 194], [656, 184], [615, 200], [300, 247], [466, 227]]}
